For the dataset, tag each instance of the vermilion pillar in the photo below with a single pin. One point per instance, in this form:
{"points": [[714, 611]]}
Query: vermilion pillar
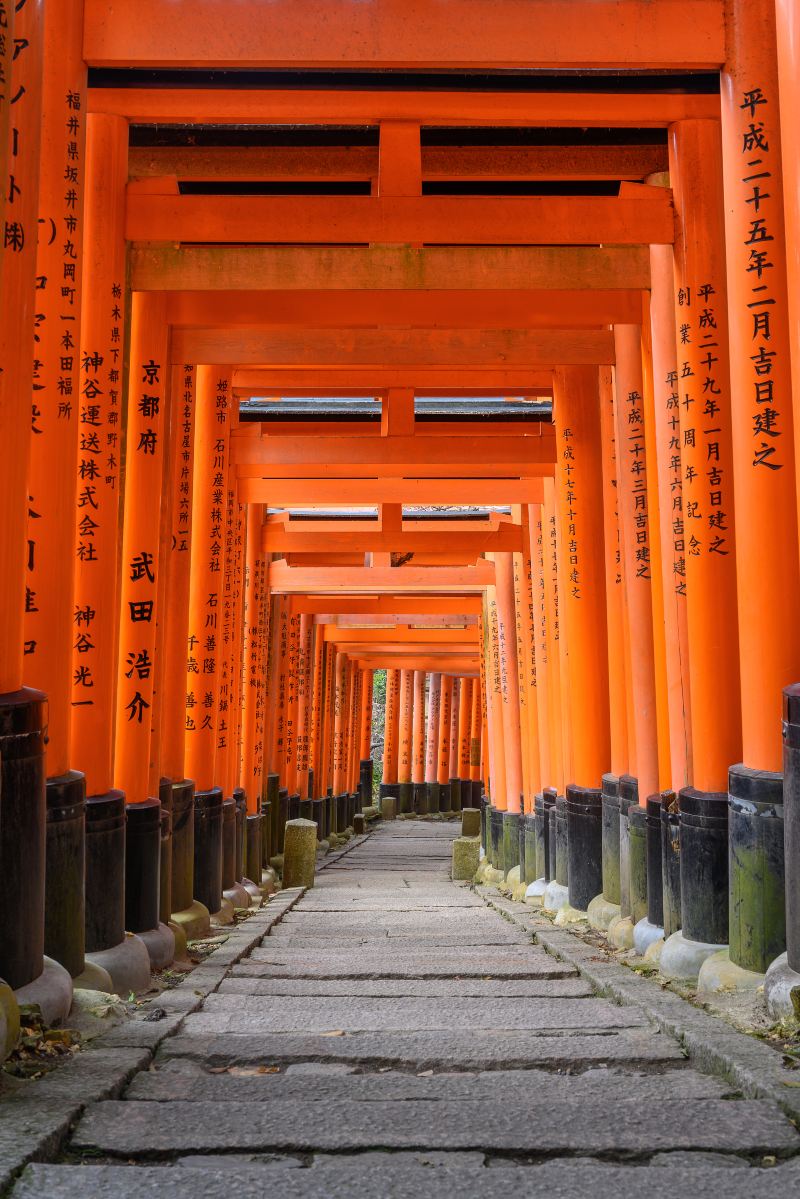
{"points": [[559, 742], [534, 529], [432, 741], [418, 735], [405, 741], [340, 725], [635, 530], [703, 386], [315, 754], [452, 742], [391, 728], [475, 733], [509, 675], [669, 480], [443, 763], [494, 701], [616, 606], [579, 488], [305, 666], [209, 502], [765, 483], [255, 607], [787, 20], [464, 725]]}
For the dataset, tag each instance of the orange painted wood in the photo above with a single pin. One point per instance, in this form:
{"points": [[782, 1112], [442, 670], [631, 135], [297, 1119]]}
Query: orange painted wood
{"points": [[305, 682], [443, 220], [462, 579], [469, 545], [464, 724], [361, 162], [400, 606], [369, 381], [704, 388], [475, 731], [762, 415], [557, 679], [787, 20], [432, 727], [257, 268], [402, 33], [391, 727], [445, 719], [176, 559], [49, 629], [365, 727], [489, 309], [340, 731], [528, 348], [494, 701], [455, 708], [256, 598], [509, 672], [398, 635], [315, 752], [535, 529], [582, 600], [209, 511], [145, 435], [406, 728], [357, 491], [17, 351]]}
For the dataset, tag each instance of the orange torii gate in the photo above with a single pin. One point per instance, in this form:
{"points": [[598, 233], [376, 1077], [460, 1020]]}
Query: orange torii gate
{"points": [[596, 651]]}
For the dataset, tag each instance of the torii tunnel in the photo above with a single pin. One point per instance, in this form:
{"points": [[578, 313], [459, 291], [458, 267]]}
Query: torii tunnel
{"points": [[459, 342]]}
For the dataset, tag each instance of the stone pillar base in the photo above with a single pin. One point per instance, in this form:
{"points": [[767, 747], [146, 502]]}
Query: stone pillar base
{"points": [[225, 914], [466, 855], [782, 990], [194, 920], [9, 1020], [681, 959], [601, 912], [645, 934], [620, 932], [92, 978], [534, 892], [238, 896], [254, 891], [160, 944], [52, 991], [180, 940], [555, 896], [569, 915], [719, 974], [128, 964]]}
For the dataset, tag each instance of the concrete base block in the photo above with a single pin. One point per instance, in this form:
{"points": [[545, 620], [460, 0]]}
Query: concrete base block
{"points": [[300, 853], [569, 915], [681, 959], [128, 964], [464, 858], [534, 892], [653, 952], [181, 952], [555, 897], [225, 914], [237, 895], [644, 934], [9, 1020], [470, 822], [512, 878], [254, 891], [160, 944], [51, 991], [493, 877], [719, 975], [389, 807], [601, 912], [620, 933], [782, 990], [92, 978], [194, 920]]}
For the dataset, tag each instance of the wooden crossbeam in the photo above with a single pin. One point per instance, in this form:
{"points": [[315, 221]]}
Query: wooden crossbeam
{"points": [[442, 638], [467, 546], [387, 268], [302, 491], [406, 33], [323, 580], [448, 220], [531, 349], [353, 163], [457, 606], [374, 380], [381, 621], [551, 309]]}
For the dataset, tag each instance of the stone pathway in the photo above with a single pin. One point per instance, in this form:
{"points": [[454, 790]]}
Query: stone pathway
{"points": [[394, 1036]]}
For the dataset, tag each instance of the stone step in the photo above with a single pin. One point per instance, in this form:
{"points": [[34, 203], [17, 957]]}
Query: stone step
{"points": [[272, 959], [252, 1014], [481, 1050], [431, 988], [179, 1078], [131, 1128]]}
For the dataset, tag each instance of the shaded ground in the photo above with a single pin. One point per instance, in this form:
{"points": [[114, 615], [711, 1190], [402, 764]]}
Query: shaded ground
{"points": [[393, 1035]]}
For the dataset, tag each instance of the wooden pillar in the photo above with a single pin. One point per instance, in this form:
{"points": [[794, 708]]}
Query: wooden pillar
{"points": [[704, 390], [787, 19], [494, 701], [305, 664], [209, 507], [616, 608], [329, 703], [365, 735], [340, 724], [464, 728], [764, 436], [406, 726], [391, 727], [145, 437], [445, 714], [579, 488], [49, 629], [475, 733], [534, 541], [255, 590], [418, 729], [18, 417], [559, 753], [315, 753], [432, 730], [671, 529], [452, 739], [509, 676], [635, 530]]}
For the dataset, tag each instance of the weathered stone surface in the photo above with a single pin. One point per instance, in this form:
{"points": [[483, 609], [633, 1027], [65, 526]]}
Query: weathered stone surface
{"points": [[422, 988], [437, 963], [135, 1129], [250, 1014]]}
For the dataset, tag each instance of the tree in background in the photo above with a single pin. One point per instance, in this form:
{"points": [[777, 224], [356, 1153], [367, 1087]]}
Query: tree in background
{"points": [[378, 725]]}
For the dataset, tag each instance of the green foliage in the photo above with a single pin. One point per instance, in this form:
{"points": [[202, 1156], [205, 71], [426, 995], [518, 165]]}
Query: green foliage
{"points": [[378, 725]]}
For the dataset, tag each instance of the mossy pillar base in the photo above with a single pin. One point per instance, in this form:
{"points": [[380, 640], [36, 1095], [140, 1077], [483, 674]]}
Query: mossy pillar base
{"points": [[208, 848], [531, 848], [64, 911], [671, 864], [704, 865], [23, 726], [390, 791], [610, 852], [299, 854], [455, 795], [470, 822], [465, 858], [445, 797], [421, 799], [365, 772], [756, 884], [405, 798], [433, 798], [165, 853], [791, 816], [584, 816], [496, 845], [105, 871], [182, 845], [142, 865]]}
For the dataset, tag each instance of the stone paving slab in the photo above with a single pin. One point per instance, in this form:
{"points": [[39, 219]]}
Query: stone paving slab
{"points": [[480, 1050], [251, 1014], [291, 961], [388, 1178], [430, 988], [181, 1079], [129, 1128]]}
